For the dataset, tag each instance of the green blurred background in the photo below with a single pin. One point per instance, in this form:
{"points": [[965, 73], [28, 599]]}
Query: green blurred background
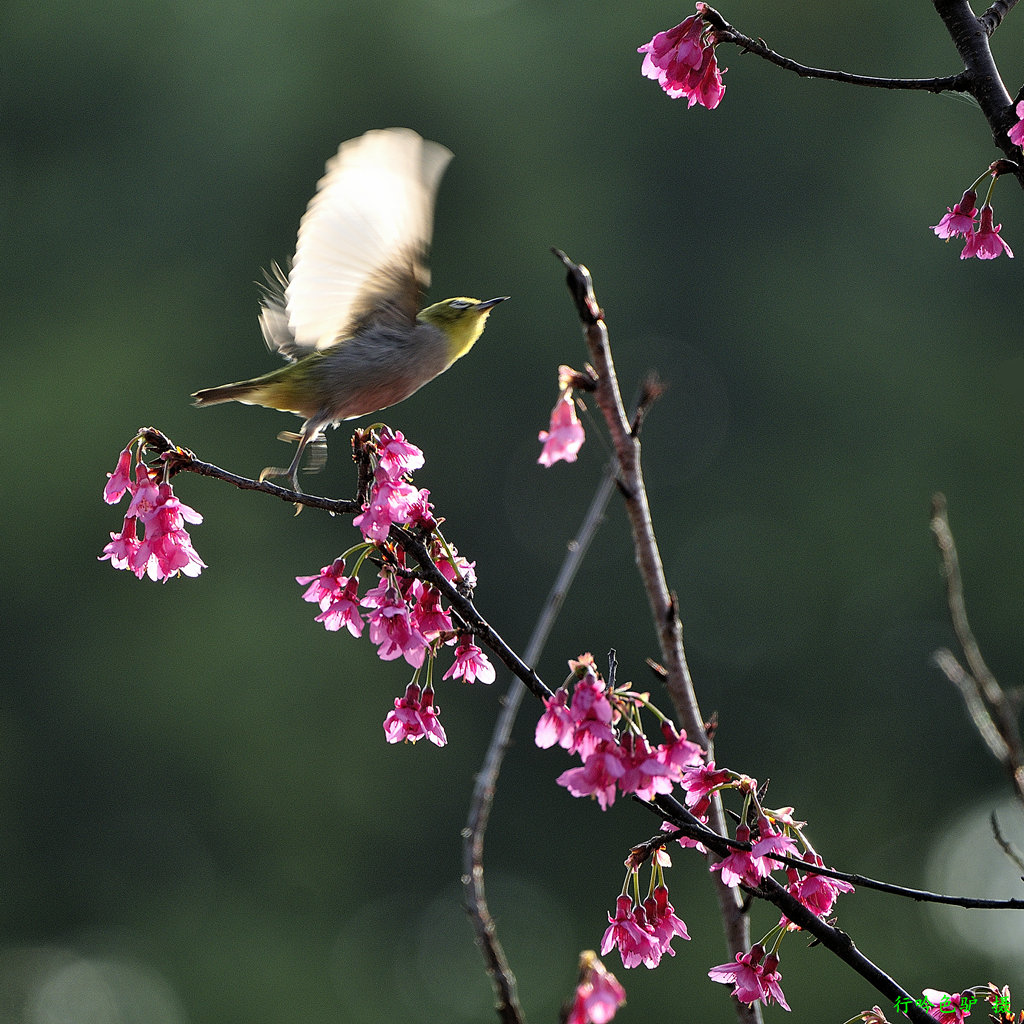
{"points": [[199, 818]]}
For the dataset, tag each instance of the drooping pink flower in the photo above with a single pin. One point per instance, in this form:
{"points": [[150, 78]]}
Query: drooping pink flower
{"points": [[661, 916], [771, 841], [744, 973], [702, 780], [470, 663], [120, 480], [326, 585], [677, 752], [593, 714], [390, 501], [397, 456], [985, 243], [947, 1007], [817, 893], [557, 724], [742, 865], [598, 995], [959, 221], [343, 610], [770, 978], [427, 614], [564, 436], [682, 60], [645, 774], [599, 775], [634, 943], [755, 981], [123, 547], [390, 624], [1016, 133], [467, 570], [166, 548], [414, 717]]}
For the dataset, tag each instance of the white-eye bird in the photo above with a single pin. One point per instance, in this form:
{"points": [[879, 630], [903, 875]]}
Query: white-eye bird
{"points": [[347, 317]]}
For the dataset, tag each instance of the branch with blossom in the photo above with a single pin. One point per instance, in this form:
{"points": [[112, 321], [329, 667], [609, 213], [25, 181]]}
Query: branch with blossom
{"points": [[422, 602], [684, 62]]}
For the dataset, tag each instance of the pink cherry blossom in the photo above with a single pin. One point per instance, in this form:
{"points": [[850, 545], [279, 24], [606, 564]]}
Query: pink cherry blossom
{"points": [[123, 547], [754, 981], [414, 717], [817, 893], [120, 480], [985, 243], [742, 865], [771, 841], [598, 995], [166, 549], [645, 774], [661, 916], [564, 436], [391, 626], [682, 60], [397, 456], [593, 713], [634, 943], [947, 1007], [466, 569], [427, 614], [557, 724], [701, 781], [326, 585], [678, 753], [960, 219], [390, 501], [343, 610], [1016, 133], [598, 777], [470, 663]]}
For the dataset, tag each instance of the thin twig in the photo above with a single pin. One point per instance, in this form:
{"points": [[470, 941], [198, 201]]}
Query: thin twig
{"points": [[498, 970], [992, 710], [1004, 844], [685, 824], [662, 601], [726, 33]]}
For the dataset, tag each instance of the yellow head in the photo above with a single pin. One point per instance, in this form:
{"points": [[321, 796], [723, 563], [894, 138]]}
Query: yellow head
{"points": [[462, 321]]}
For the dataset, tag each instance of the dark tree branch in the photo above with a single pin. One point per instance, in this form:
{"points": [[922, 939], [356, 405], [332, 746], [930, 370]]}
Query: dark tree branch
{"points": [[726, 33], [993, 17]]}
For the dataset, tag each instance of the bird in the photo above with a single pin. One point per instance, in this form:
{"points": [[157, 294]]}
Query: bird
{"points": [[346, 316]]}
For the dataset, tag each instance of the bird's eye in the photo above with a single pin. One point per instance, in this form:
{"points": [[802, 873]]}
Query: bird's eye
{"points": [[459, 304]]}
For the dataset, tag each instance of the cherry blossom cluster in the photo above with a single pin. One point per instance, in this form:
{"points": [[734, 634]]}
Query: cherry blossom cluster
{"points": [[682, 61], [402, 614], [643, 930], [598, 994], [965, 220], [165, 548], [564, 436], [602, 725]]}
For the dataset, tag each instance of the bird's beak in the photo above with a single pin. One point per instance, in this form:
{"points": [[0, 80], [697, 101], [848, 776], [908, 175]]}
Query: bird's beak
{"points": [[490, 303]]}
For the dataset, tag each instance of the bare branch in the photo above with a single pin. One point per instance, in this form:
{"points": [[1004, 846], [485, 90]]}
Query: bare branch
{"points": [[726, 33], [993, 711], [498, 970], [662, 602], [993, 17]]}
